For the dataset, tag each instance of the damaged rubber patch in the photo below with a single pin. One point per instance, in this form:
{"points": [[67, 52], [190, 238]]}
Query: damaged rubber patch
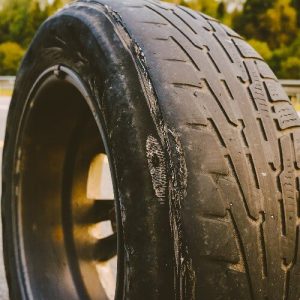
{"points": [[157, 167]]}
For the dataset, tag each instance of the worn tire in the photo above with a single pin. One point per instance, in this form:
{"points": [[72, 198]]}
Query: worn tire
{"points": [[204, 145]]}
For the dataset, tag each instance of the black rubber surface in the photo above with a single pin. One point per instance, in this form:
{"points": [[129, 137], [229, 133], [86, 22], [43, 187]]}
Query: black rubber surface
{"points": [[205, 145]]}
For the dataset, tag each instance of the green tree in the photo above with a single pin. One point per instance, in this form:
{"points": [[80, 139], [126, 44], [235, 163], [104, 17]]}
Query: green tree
{"points": [[296, 5], [13, 20], [280, 24], [247, 22], [209, 7], [221, 10], [20, 19], [262, 48], [271, 28], [36, 16], [290, 68], [10, 55], [283, 59], [52, 8], [272, 21]]}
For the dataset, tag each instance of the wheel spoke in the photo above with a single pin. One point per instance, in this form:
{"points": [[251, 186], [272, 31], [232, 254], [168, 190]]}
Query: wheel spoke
{"points": [[106, 248], [101, 210]]}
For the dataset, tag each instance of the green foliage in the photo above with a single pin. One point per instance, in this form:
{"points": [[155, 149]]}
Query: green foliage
{"points": [[280, 24], [274, 22], [10, 55], [12, 20], [19, 21], [272, 27], [208, 7], [51, 9], [290, 68], [221, 10], [285, 60], [262, 48], [296, 5], [247, 22]]}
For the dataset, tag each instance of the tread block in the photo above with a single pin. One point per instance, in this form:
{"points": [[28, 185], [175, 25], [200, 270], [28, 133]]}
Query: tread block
{"points": [[218, 282], [220, 95], [195, 16], [176, 77], [264, 70], [185, 97], [286, 115], [246, 50], [265, 121], [288, 187], [204, 197], [259, 95], [276, 91], [169, 52], [179, 24], [205, 150], [214, 239], [222, 37], [246, 232], [196, 25]]}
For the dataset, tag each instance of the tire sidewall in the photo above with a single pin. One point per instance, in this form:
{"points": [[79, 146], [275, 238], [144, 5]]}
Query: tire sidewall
{"points": [[99, 57]]}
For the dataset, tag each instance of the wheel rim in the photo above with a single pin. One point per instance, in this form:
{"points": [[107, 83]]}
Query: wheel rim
{"points": [[66, 239]]}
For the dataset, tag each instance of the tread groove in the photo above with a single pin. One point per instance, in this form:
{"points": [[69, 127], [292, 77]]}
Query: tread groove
{"points": [[243, 252], [230, 163], [263, 246], [251, 162]]}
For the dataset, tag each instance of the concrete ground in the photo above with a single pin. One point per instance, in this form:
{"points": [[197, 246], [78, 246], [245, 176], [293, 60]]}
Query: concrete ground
{"points": [[4, 103]]}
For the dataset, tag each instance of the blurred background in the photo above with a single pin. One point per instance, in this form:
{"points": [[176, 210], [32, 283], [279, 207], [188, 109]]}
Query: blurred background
{"points": [[272, 27]]}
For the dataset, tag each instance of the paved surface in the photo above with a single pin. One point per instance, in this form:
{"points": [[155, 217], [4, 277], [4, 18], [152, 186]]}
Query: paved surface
{"points": [[4, 103]]}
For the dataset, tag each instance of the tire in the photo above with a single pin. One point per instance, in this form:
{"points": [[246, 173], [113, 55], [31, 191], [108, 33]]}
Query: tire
{"points": [[203, 145]]}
